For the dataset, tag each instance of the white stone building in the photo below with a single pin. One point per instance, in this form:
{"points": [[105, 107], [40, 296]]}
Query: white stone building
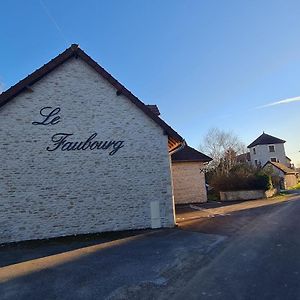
{"points": [[188, 176], [267, 148], [81, 154], [268, 152]]}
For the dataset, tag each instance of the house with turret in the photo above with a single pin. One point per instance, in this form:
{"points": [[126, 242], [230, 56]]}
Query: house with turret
{"points": [[268, 152], [268, 148]]}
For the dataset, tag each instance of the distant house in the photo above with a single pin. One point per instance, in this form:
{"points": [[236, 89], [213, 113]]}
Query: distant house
{"points": [[289, 163], [268, 148], [243, 158], [268, 151], [288, 176], [188, 176]]}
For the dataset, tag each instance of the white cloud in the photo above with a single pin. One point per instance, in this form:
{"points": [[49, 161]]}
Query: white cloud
{"points": [[284, 101]]}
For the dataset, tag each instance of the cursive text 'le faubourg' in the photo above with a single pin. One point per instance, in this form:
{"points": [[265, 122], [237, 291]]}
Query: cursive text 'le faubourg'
{"points": [[61, 141]]}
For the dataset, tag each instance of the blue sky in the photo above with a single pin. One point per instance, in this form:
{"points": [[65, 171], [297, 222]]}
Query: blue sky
{"points": [[204, 63]]}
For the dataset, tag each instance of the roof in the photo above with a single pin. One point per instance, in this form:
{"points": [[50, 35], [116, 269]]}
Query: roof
{"points": [[74, 51], [244, 157], [281, 167], [154, 109], [190, 154], [266, 139]]}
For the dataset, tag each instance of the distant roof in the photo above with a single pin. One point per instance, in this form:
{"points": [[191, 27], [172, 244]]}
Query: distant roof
{"points": [[174, 138], [154, 109], [190, 154], [281, 167], [266, 139], [244, 157]]}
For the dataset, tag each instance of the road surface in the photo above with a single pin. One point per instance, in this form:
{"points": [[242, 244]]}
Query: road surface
{"points": [[248, 250], [259, 260]]}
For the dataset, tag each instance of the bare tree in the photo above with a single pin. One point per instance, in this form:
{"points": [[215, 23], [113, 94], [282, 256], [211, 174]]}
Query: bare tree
{"points": [[222, 147]]}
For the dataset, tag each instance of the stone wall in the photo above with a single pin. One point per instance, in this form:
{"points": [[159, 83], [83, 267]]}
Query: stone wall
{"points": [[246, 195], [64, 192], [188, 182]]}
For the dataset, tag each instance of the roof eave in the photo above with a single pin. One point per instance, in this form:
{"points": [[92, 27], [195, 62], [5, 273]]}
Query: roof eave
{"points": [[277, 167], [16, 89], [191, 160], [256, 144], [75, 51]]}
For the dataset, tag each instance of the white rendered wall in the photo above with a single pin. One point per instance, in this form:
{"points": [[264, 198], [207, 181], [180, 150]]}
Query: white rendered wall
{"points": [[263, 155]]}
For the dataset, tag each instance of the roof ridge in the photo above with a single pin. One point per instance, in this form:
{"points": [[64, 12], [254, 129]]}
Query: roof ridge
{"points": [[75, 50], [281, 167], [265, 139]]}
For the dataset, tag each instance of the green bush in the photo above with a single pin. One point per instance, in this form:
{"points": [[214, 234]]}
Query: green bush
{"points": [[262, 182], [237, 180]]}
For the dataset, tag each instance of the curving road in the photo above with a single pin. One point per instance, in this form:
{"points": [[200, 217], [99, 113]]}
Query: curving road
{"points": [[248, 250], [259, 260]]}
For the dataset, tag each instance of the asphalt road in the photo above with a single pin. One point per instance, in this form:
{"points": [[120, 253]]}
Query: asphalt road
{"points": [[260, 260], [248, 250], [99, 269]]}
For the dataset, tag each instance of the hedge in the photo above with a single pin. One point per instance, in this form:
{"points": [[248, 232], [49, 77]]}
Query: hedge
{"points": [[232, 182]]}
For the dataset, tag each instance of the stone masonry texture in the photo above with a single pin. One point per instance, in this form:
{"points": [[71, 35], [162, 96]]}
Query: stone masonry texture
{"points": [[188, 182], [47, 194]]}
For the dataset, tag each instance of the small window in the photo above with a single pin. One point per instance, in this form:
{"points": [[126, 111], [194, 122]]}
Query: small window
{"points": [[254, 151], [273, 159], [271, 148], [256, 163]]}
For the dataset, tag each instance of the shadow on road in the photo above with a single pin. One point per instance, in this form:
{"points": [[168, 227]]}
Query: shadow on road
{"points": [[13, 253], [226, 218], [96, 271]]}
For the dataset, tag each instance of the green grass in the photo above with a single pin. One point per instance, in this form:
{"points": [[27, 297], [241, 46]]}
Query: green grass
{"points": [[296, 187]]}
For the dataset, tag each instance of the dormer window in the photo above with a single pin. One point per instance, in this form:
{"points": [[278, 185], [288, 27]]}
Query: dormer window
{"points": [[272, 148], [254, 151]]}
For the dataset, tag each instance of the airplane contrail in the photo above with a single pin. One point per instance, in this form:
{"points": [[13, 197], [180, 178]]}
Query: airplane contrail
{"points": [[50, 16], [284, 101]]}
